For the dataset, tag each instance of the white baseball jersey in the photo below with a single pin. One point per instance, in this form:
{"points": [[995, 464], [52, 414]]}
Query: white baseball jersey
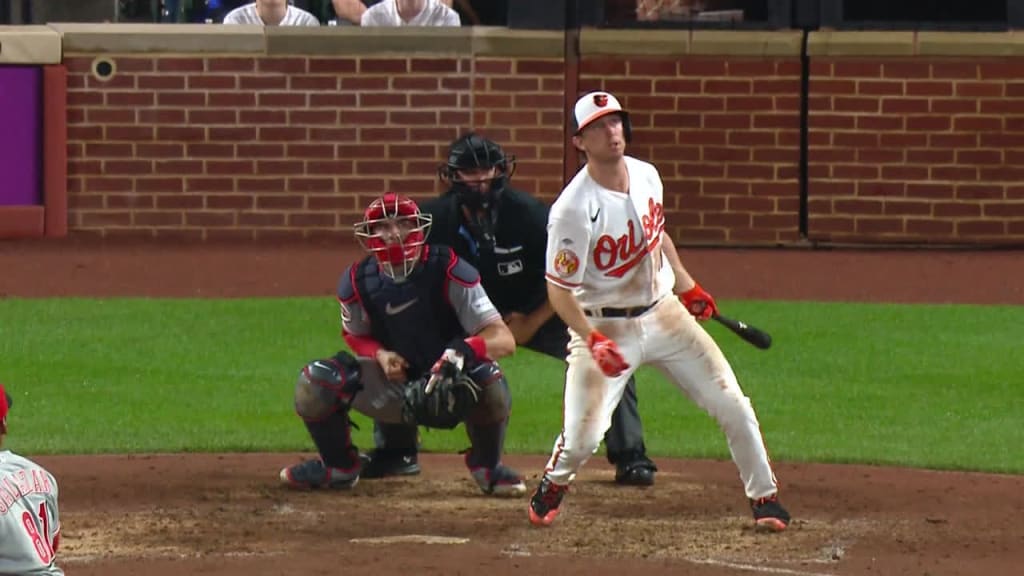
{"points": [[605, 245], [433, 14], [29, 520], [292, 17]]}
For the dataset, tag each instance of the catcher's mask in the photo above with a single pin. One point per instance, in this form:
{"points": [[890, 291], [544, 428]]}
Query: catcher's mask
{"points": [[394, 231], [594, 105], [477, 171]]}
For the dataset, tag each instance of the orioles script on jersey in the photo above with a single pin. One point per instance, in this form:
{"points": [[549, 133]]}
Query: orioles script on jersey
{"points": [[629, 248], [22, 483]]}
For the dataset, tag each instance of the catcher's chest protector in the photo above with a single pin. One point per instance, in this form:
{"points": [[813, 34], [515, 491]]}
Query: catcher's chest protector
{"points": [[412, 318]]}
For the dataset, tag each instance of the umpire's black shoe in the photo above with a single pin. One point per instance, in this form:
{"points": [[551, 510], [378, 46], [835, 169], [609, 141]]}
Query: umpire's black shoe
{"points": [[382, 463], [637, 472]]}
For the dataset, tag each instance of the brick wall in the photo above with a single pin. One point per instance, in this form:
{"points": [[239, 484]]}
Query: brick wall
{"points": [[725, 135], [903, 149], [284, 147], [916, 150]]}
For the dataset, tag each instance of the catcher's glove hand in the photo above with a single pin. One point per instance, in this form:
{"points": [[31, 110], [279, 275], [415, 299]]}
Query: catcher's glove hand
{"points": [[447, 367], [444, 405]]}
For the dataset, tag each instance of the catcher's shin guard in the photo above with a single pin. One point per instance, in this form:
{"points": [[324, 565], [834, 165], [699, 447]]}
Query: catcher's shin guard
{"points": [[487, 442], [484, 460], [333, 439], [486, 424], [495, 400], [326, 386]]}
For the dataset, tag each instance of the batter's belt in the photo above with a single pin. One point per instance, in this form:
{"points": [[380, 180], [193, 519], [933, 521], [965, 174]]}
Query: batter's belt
{"points": [[618, 312]]}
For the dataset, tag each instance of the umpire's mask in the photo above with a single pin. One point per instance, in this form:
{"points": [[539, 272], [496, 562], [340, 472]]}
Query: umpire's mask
{"points": [[477, 171]]}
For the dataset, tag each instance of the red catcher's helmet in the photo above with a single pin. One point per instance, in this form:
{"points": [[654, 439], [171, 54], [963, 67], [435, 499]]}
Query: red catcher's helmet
{"points": [[394, 231]]}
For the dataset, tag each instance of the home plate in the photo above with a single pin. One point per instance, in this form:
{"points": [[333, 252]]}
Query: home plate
{"points": [[410, 539]]}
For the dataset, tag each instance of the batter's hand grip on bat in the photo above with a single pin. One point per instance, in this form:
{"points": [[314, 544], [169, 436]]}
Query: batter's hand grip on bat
{"points": [[606, 354], [753, 335]]}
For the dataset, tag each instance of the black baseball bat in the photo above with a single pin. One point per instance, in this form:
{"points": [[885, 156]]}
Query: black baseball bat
{"points": [[753, 335]]}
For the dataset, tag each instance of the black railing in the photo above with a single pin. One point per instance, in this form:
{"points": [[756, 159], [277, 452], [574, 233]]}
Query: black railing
{"points": [[918, 14], [986, 15], [774, 14]]}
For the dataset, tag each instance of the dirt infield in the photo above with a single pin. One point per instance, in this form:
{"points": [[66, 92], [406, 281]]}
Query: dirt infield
{"points": [[226, 514]]}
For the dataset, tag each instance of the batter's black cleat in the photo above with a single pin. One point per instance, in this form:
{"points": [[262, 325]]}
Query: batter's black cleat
{"points": [[382, 463], [636, 472], [312, 474], [544, 505], [769, 515]]}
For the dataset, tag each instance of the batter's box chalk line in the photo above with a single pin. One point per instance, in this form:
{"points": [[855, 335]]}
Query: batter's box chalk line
{"points": [[756, 568], [161, 554], [410, 539]]}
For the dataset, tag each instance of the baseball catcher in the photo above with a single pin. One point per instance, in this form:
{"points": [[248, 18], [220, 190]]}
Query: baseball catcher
{"points": [[426, 338]]}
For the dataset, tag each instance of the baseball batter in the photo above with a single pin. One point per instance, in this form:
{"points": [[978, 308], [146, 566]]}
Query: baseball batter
{"points": [[612, 274], [29, 521]]}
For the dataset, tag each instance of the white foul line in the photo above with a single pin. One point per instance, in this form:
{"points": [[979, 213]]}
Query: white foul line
{"points": [[755, 568]]}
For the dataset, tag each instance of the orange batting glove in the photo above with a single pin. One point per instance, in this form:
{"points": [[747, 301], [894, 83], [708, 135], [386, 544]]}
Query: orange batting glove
{"points": [[698, 302], [606, 353]]}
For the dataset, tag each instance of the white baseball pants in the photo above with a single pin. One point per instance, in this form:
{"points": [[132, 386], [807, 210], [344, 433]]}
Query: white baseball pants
{"points": [[668, 337]]}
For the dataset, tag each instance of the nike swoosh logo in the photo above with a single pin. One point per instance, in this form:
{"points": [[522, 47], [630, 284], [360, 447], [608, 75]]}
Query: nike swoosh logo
{"points": [[596, 214], [392, 310]]}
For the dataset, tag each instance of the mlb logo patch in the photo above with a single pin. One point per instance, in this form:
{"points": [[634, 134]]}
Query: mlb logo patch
{"points": [[510, 268]]}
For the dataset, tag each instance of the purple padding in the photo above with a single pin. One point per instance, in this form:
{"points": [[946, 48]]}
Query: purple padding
{"points": [[20, 133]]}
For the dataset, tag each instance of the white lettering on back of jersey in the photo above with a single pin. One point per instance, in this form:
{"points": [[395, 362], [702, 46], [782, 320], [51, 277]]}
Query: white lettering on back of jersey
{"points": [[21, 483]]}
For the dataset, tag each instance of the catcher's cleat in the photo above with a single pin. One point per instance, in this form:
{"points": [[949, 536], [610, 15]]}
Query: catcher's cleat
{"points": [[545, 502], [637, 472], [769, 515], [498, 481], [381, 464], [312, 474]]}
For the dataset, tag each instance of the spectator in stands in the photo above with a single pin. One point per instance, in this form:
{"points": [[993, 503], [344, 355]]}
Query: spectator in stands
{"points": [[410, 13], [350, 12], [706, 10], [667, 9], [271, 13]]}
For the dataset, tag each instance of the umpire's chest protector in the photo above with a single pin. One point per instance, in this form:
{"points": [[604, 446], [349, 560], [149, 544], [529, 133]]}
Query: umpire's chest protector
{"points": [[414, 317]]}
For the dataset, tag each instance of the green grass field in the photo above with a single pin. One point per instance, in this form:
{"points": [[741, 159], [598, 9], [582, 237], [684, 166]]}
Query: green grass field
{"points": [[923, 386]]}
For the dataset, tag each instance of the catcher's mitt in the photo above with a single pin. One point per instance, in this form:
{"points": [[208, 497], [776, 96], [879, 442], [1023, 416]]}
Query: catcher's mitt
{"points": [[448, 403]]}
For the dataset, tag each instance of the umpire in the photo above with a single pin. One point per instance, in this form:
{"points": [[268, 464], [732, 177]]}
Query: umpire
{"points": [[503, 233]]}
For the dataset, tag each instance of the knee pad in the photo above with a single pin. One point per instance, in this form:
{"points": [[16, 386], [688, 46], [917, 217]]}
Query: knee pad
{"points": [[325, 385], [495, 399]]}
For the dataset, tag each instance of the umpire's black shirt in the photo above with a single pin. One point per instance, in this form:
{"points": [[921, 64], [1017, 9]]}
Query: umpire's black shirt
{"points": [[513, 273]]}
